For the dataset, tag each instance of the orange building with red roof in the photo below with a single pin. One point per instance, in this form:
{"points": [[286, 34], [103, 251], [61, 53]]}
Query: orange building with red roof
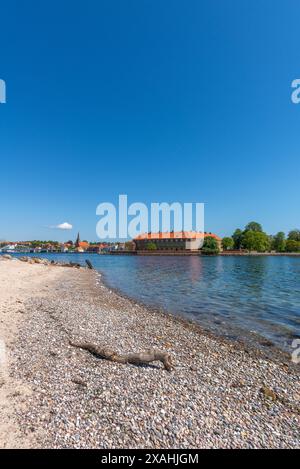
{"points": [[84, 245], [81, 246], [175, 240]]}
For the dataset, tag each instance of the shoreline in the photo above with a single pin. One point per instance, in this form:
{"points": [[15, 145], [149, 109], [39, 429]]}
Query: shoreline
{"points": [[238, 337], [219, 394], [278, 341]]}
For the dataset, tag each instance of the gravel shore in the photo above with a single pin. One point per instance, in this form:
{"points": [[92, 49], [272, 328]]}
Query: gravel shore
{"points": [[218, 395]]}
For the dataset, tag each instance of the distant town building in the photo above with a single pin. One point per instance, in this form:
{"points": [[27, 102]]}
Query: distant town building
{"points": [[82, 247], [95, 248], [17, 247], [175, 241]]}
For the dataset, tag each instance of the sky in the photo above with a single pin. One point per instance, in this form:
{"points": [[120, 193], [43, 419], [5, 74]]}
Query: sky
{"points": [[165, 101]]}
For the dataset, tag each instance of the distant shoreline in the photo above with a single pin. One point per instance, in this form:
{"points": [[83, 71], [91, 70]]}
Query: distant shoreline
{"points": [[161, 253]]}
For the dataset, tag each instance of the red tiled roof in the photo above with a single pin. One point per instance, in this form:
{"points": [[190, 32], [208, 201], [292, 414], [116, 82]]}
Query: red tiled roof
{"points": [[83, 244], [177, 235]]}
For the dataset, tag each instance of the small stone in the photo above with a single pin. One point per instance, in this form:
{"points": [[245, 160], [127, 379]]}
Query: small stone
{"points": [[268, 393]]}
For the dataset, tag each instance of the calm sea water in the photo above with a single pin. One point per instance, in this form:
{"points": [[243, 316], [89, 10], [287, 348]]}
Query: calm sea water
{"points": [[224, 294]]}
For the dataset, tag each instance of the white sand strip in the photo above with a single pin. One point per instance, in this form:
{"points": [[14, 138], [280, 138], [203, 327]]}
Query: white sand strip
{"points": [[18, 282]]}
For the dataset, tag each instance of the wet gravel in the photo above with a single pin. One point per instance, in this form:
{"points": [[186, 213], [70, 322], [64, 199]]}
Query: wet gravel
{"points": [[217, 396]]}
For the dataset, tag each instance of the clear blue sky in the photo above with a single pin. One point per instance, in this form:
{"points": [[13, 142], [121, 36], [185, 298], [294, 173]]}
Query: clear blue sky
{"points": [[161, 100]]}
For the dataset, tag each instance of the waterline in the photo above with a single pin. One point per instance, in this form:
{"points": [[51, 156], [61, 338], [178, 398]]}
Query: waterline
{"points": [[223, 294]]}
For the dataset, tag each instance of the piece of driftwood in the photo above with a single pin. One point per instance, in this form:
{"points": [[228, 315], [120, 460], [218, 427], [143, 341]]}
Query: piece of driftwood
{"points": [[142, 358], [89, 264]]}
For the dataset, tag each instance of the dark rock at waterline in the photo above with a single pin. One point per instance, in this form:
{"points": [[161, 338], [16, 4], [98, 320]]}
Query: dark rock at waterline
{"points": [[73, 264], [43, 261], [6, 256], [266, 343]]}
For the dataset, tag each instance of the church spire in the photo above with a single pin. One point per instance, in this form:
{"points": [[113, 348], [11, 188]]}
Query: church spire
{"points": [[77, 241]]}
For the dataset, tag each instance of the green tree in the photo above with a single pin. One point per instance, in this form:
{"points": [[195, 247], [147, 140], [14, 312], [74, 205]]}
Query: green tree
{"points": [[254, 226], [237, 238], [255, 241], [292, 245], [278, 242], [294, 235], [151, 246], [210, 246], [227, 243]]}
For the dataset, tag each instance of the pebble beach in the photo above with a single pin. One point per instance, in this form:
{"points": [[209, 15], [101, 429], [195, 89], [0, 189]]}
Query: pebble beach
{"points": [[218, 394]]}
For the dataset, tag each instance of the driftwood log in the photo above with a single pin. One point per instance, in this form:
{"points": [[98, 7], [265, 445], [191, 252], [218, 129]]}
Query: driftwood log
{"points": [[89, 264], [142, 358]]}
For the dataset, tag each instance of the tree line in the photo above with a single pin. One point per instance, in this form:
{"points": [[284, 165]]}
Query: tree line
{"points": [[253, 238]]}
